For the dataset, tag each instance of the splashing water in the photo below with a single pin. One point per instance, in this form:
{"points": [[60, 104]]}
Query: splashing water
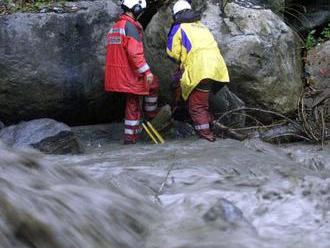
{"points": [[183, 194]]}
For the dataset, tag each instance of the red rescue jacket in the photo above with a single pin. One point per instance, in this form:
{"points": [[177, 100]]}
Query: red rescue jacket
{"points": [[126, 65]]}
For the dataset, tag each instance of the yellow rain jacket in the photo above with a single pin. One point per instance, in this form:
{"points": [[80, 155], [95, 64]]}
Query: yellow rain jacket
{"points": [[194, 46]]}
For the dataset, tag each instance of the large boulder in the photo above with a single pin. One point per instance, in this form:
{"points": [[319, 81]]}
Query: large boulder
{"points": [[46, 135], [261, 51], [318, 65], [52, 65]]}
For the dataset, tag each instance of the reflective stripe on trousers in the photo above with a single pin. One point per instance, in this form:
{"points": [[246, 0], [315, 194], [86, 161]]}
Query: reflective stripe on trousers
{"points": [[150, 103], [202, 127], [132, 117], [131, 127]]}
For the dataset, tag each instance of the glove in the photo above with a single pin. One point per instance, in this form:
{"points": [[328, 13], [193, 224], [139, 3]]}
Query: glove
{"points": [[149, 78]]}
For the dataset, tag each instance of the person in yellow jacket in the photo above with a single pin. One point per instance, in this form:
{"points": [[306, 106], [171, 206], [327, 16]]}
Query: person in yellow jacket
{"points": [[191, 44]]}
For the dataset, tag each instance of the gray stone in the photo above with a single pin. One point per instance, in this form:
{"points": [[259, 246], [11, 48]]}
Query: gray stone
{"points": [[282, 134], [52, 65], [318, 65], [261, 51], [46, 135], [225, 100], [226, 213]]}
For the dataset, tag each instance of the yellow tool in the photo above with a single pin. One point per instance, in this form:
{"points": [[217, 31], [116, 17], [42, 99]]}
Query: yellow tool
{"points": [[150, 130], [160, 138], [153, 134]]}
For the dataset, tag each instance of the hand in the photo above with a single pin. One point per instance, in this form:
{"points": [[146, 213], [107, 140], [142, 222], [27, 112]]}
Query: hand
{"points": [[149, 78]]}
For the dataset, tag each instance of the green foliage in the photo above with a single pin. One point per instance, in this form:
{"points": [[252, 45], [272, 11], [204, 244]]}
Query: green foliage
{"points": [[325, 34], [12, 6], [310, 40]]}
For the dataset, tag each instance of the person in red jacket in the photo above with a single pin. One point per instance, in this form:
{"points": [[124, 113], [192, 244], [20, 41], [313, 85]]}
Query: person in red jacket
{"points": [[127, 70]]}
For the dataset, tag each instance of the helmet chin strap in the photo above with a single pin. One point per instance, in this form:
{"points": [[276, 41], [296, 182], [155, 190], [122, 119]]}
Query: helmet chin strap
{"points": [[138, 16]]}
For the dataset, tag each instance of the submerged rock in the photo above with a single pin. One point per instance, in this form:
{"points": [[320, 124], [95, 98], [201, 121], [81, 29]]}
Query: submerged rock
{"points": [[196, 222], [227, 212], [46, 135], [282, 134]]}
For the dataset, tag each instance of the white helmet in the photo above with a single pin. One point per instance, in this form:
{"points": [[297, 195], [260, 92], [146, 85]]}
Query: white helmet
{"points": [[180, 5], [130, 4]]}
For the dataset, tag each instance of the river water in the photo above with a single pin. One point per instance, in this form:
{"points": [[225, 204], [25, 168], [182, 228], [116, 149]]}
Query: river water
{"points": [[183, 194]]}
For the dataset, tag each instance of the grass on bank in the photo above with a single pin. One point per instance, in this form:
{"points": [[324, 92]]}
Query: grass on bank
{"points": [[12, 6]]}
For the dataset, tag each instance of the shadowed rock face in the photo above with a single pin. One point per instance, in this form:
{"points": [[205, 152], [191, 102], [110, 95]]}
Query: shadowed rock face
{"points": [[52, 65], [261, 51], [1, 125], [305, 15]]}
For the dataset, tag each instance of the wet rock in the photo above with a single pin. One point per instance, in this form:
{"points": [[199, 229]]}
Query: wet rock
{"points": [[225, 100], [226, 211], [183, 130], [46, 135], [202, 220], [281, 134], [52, 64], [225, 132], [318, 65], [261, 51]]}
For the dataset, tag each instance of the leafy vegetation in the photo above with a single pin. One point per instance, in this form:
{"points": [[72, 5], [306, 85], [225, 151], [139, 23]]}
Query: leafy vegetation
{"points": [[325, 34], [312, 39], [12, 6]]}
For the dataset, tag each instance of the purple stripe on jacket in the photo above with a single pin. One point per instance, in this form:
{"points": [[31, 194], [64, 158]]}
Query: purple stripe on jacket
{"points": [[185, 41], [173, 31]]}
